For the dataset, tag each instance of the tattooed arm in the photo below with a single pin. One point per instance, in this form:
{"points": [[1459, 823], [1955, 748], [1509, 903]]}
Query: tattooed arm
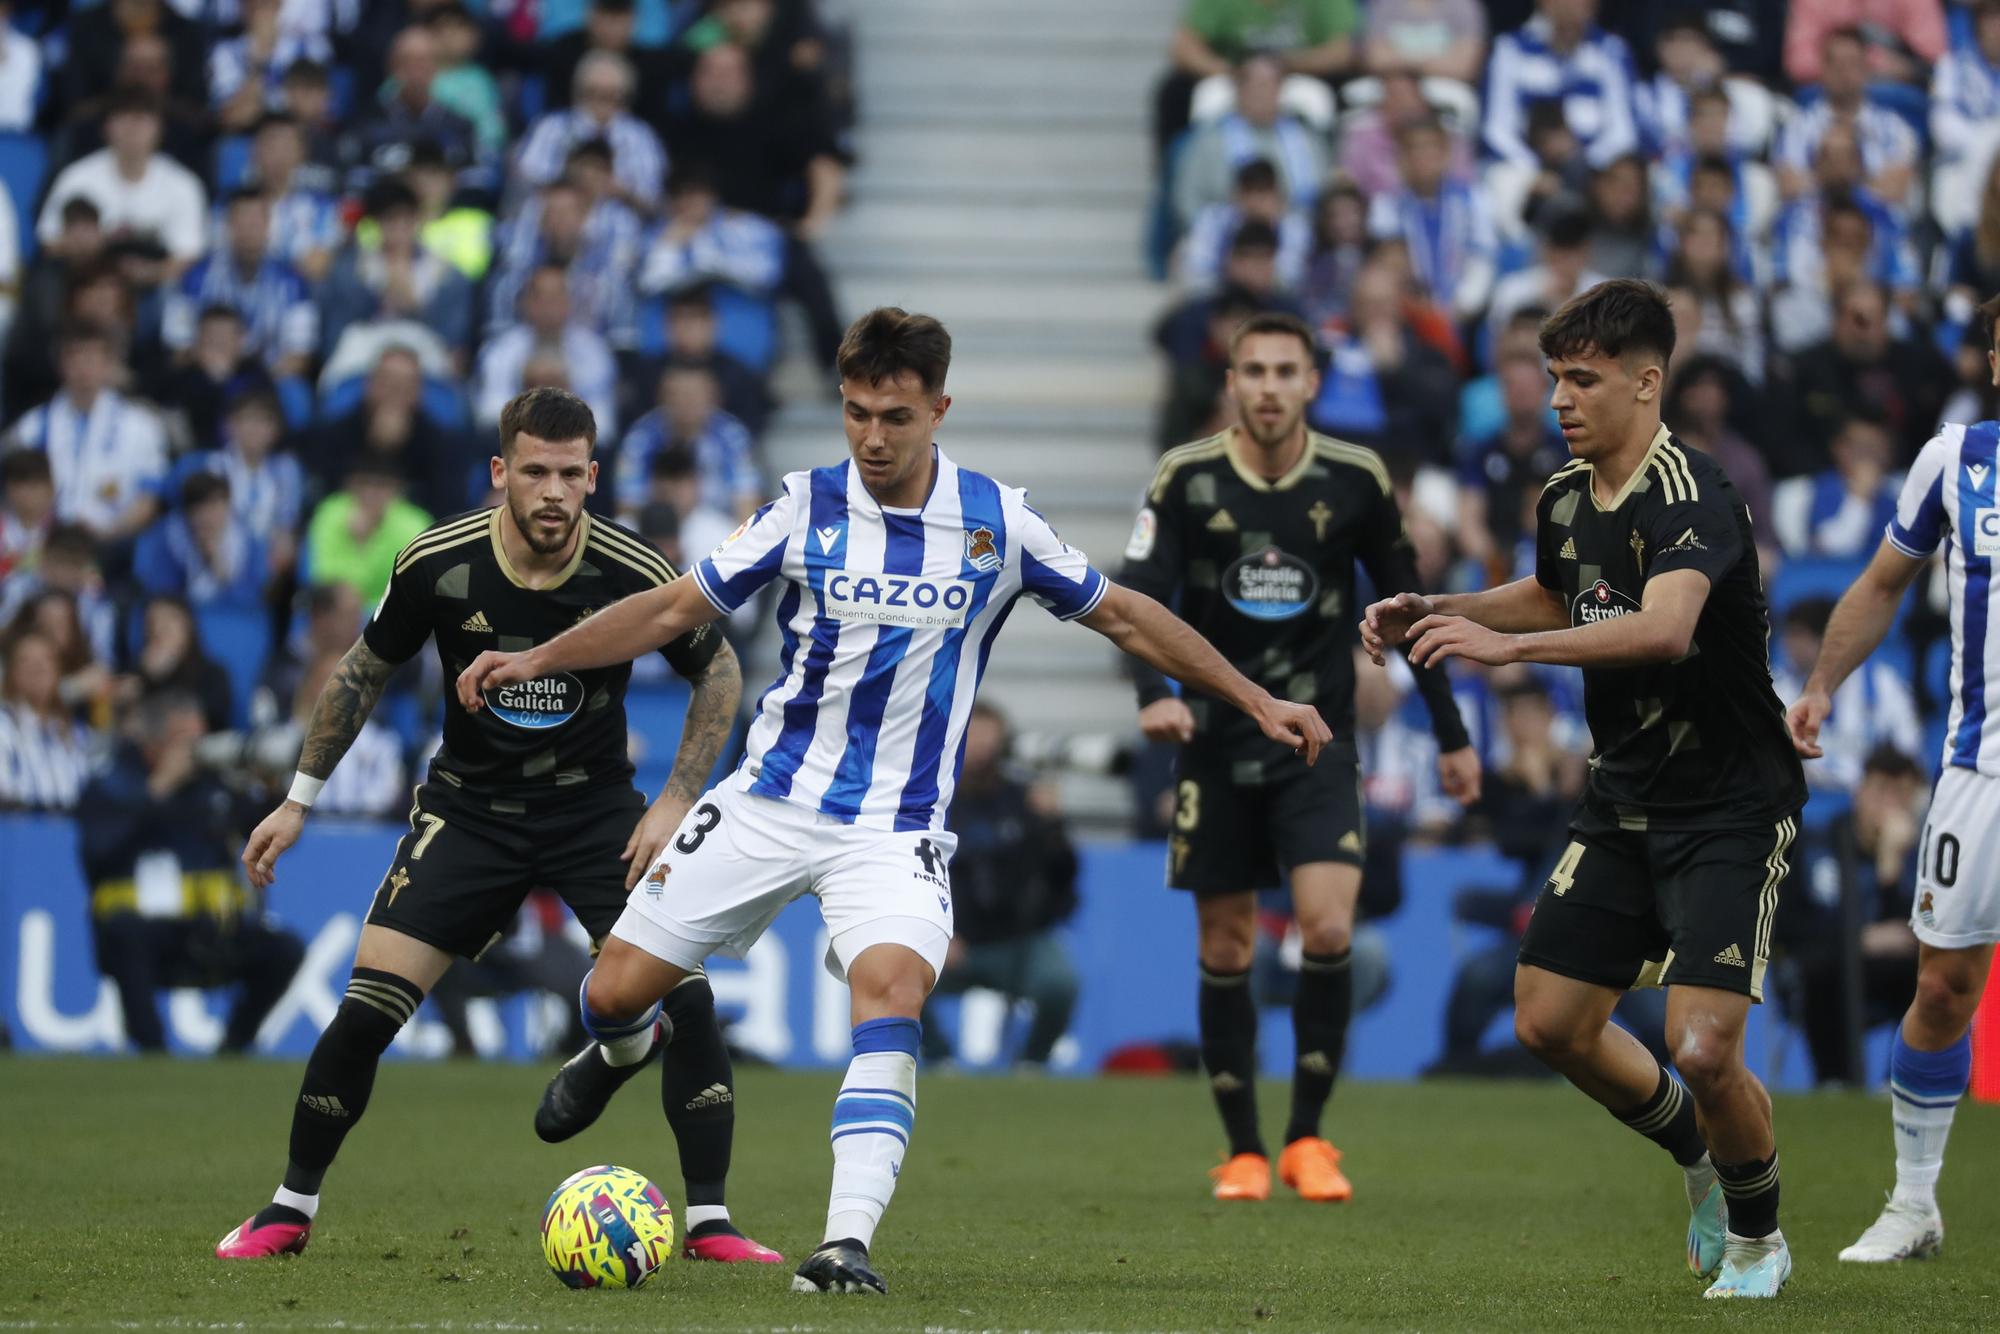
{"points": [[718, 688], [344, 705]]}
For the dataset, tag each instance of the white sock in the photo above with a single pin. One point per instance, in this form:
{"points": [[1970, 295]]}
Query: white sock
{"points": [[627, 1050], [1700, 1177], [872, 1120], [697, 1214], [1924, 1089], [1920, 1137], [291, 1199]]}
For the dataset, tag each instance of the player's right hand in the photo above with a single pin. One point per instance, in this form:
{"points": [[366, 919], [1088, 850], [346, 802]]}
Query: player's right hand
{"points": [[1386, 624], [1168, 719], [492, 668], [276, 832], [1298, 726], [1804, 720]]}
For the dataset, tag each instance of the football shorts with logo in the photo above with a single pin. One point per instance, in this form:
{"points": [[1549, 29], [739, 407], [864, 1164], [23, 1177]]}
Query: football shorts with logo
{"points": [[1240, 823], [466, 863], [1626, 907], [739, 858], [1958, 891]]}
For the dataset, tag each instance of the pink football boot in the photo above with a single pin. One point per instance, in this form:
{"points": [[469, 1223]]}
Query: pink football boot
{"points": [[729, 1248], [247, 1241]]}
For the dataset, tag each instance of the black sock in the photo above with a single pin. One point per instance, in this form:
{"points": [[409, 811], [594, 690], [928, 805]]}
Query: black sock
{"points": [[698, 1090], [1667, 1119], [340, 1074], [1752, 1192], [1320, 1010], [1229, 1054]]}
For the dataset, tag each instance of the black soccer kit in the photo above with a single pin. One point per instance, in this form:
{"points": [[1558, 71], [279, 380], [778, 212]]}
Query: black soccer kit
{"points": [[1678, 844], [1264, 570], [534, 790]]}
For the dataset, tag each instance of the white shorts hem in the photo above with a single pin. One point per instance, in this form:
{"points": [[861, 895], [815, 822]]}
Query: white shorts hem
{"points": [[926, 937], [1940, 940], [637, 929]]}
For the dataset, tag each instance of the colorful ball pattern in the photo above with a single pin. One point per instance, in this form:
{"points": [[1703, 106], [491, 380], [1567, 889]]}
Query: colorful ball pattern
{"points": [[607, 1227]]}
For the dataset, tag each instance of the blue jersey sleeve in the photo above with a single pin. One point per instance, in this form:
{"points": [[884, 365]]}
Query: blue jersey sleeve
{"points": [[1055, 573], [1918, 525], [752, 556]]}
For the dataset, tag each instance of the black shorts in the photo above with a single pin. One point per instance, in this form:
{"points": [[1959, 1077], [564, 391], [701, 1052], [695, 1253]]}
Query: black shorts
{"points": [[460, 874], [1230, 835], [1626, 908]]}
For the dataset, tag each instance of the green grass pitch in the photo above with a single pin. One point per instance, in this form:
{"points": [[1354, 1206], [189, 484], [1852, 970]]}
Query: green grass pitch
{"points": [[1024, 1205]]}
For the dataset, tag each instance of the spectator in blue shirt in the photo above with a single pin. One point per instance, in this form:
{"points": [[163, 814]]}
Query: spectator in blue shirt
{"points": [[202, 551], [1452, 243], [690, 417], [1965, 86], [397, 279], [1887, 144], [266, 482], [305, 224], [701, 240], [1562, 56], [596, 254], [281, 324]]}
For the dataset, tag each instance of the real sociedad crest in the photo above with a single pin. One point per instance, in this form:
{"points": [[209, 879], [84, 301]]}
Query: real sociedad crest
{"points": [[980, 552]]}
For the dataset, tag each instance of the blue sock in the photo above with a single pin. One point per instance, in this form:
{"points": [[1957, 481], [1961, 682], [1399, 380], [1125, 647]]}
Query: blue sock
{"points": [[872, 1121], [623, 1040], [1924, 1088]]}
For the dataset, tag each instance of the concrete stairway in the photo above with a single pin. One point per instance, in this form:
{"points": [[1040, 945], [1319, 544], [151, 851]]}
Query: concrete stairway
{"points": [[1003, 183]]}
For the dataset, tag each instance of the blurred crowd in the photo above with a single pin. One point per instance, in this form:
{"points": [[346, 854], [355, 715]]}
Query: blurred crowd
{"points": [[1815, 184], [270, 268]]}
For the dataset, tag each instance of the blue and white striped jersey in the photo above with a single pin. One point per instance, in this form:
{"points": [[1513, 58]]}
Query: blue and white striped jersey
{"points": [[1948, 499], [887, 619]]}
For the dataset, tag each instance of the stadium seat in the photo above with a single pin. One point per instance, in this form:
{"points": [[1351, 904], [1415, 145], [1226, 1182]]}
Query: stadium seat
{"points": [[746, 327], [238, 639], [24, 165], [444, 401], [232, 162]]}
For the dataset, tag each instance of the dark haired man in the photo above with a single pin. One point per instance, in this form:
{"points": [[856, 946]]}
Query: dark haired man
{"points": [[1647, 579], [899, 568], [532, 790], [1948, 502], [1255, 533]]}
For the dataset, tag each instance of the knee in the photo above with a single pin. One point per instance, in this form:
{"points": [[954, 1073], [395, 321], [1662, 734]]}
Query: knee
{"points": [[1708, 1064], [1227, 945], [1326, 933], [901, 994], [608, 996], [1551, 1038], [1944, 1001]]}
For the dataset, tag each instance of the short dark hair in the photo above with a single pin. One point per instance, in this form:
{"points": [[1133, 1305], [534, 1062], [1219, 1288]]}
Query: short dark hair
{"points": [[85, 331], [597, 148], [1810, 614], [1254, 235], [80, 208], [1568, 230], [259, 398], [388, 195], [244, 194], [131, 100], [694, 178], [1257, 174], [1709, 92], [1621, 318], [24, 465], [546, 414], [308, 72], [1989, 318], [1889, 762], [202, 487], [888, 341], [276, 120], [72, 540], [216, 310], [1275, 322]]}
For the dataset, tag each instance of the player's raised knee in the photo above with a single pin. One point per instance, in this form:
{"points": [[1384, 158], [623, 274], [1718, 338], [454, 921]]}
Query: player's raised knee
{"points": [[1550, 1038], [1944, 1001], [1708, 1062]]}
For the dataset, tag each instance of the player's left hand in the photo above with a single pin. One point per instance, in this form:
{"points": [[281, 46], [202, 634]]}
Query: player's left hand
{"points": [[491, 669], [650, 835], [1458, 774], [1298, 726], [1435, 638]]}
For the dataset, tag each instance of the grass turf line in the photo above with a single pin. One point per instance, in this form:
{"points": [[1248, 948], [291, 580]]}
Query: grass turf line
{"points": [[1038, 1205]]}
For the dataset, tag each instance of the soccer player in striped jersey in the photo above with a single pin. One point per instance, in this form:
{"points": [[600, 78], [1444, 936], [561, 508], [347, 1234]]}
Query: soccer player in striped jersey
{"points": [[1646, 578], [533, 789], [898, 568], [1947, 503]]}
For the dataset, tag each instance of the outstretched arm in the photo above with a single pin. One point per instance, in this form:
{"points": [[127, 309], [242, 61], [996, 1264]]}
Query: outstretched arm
{"points": [[1860, 622], [1142, 627], [1520, 607], [1661, 630], [621, 632], [343, 706]]}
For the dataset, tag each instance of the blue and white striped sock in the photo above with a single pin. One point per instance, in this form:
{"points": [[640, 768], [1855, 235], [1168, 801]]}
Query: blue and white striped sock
{"points": [[872, 1121], [1924, 1088], [622, 1041]]}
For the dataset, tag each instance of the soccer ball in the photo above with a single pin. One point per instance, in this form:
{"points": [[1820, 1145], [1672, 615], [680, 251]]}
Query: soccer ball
{"points": [[607, 1227]]}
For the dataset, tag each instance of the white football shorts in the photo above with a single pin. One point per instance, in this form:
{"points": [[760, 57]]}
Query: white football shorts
{"points": [[1958, 885], [739, 858]]}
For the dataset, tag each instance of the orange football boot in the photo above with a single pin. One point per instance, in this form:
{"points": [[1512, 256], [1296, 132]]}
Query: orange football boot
{"points": [[1247, 1176], [1312, 1168]]}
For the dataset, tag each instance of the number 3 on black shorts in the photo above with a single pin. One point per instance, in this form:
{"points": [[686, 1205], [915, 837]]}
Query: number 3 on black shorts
{"points": [[707, 817]]}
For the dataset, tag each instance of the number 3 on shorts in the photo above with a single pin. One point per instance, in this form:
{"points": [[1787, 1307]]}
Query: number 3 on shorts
{"points": [[707, 817]]}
